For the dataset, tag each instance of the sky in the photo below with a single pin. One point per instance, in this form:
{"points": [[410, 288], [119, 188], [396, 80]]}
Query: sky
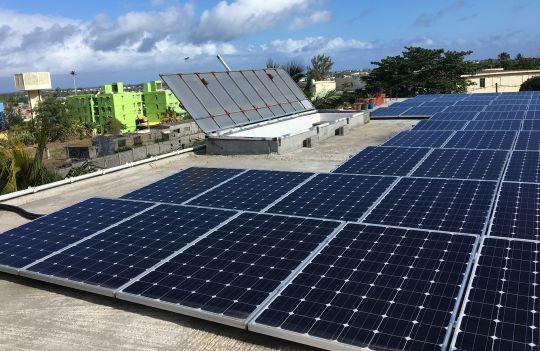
{"points": [[136, 40]]}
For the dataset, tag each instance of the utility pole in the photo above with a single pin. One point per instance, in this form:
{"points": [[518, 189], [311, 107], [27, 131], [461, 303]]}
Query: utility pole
{"points": [[73, 74]]}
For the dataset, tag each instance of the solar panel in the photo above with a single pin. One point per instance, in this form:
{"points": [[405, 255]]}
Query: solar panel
{"points": [[535, 108], [502, 124], [463, 164], [375, 288], [460, 206], [439, 103], [229, 273], [389, 111], [184, 185], [512, 108], [453, 116], [421, 111], [471, 102], [383, 161], [485, 139], [334, 196], [496, 115], [464, 108], [221, 100], [532, 115], [524, 166], [528, 140], [252, 190], [501, 308], [531, 124], [517, 214], [24, 245], [419, 139], [112, 258], [440, 125]]}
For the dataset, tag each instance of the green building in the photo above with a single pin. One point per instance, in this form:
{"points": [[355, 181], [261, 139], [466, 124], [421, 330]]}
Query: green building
{"points": [[132, 109], [156, 100]]}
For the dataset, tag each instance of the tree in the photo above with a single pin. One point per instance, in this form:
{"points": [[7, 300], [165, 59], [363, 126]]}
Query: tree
{"points": [[169, 116], [421, 71], [270, 63], [531, 84], [113, 126], [321, 67], [504, 56], [296, 70], [327, 100], [12, 113]]}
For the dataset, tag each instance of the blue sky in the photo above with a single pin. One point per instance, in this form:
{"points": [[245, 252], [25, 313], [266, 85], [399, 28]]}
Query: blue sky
{"points": [[134, 41]]}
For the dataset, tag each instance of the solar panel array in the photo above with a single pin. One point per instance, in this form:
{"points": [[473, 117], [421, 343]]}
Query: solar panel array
{"points": [[429, 241]]}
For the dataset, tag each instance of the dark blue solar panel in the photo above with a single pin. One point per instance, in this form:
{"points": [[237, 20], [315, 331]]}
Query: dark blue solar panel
{"points": [[43, 236], [528, 140], [517, 214], [533, 114], [439, 125], [470, 102], [505, 107], [253, 190], [463, 164], [119, 254], [184, 185], [453, 116], [534, 110], [496, 115], [423, 111], [486, 139], [234, 269], [524, 166], [501, 311], [437, 103], [375, 287], [419, 139], [334, 196], [389, 111], [383, 161], [531, 124], [453, 205], [501, 124], [464, 108]]}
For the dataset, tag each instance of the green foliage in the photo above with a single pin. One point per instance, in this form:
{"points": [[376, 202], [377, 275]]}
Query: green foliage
{"points": [[421, 71], [12, 113], [321, 67], [328, 100], [170, 116], [520, 62], [296, 70], [531, 84], [113, 126], [18, 170]]}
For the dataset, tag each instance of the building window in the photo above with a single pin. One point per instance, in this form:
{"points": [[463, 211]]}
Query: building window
{"points": [[482, 82]]}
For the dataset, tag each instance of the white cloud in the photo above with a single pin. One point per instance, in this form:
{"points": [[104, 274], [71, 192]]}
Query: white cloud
{"points": [[227, 21], [311, 19], [318, 44]]}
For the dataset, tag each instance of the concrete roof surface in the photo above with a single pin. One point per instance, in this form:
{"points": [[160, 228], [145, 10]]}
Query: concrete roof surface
{"points": [[41, 316]]}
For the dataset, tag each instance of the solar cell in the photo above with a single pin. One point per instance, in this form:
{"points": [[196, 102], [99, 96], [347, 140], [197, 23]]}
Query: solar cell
{"points": [[383, 161], [501, 124], [389, 111], [252, 190], [505, 107], [334, 196], [485, 139], [112, 258], [439, 103], [517, 213], [23, 245], [453, 116], [501, 309], [524, 166], [463, 164], [528, 140], [531, 124], [421, 111], [534, 107], [376, 288], [419, 139], [464, 108], [229, 273], [460, 206], [184, 185], [533, 115], [497, 115], [440, 125]]}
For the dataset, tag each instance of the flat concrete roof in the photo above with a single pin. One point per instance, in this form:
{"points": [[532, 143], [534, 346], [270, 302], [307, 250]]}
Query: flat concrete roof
{"points": [[41, 316]]}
